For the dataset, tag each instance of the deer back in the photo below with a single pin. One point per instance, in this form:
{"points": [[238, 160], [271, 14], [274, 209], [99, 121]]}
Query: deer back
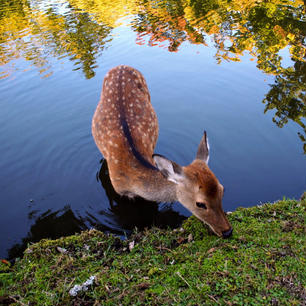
{"points": [[125, 126]]}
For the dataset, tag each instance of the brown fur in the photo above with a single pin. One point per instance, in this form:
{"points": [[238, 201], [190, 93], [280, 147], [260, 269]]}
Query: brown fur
{"points": [[125, 129], [125, 94], [200, 174]]}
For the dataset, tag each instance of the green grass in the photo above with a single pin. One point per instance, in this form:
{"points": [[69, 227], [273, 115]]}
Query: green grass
{"points": [[264, 263]]}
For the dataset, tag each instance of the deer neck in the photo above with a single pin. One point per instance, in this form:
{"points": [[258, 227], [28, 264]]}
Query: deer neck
{"points": [[139, 180], [154, 186]]}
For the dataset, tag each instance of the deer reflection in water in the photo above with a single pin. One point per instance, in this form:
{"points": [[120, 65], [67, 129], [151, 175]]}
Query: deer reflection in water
{"points": [[137, 212]]}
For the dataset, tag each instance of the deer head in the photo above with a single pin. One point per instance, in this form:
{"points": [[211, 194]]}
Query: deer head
{"points": [[198, 189]]}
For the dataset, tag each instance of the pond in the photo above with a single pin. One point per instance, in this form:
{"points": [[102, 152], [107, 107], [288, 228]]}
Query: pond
{"points": [[234, 68]]}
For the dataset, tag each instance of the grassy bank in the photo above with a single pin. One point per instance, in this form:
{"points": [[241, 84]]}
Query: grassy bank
{"points": [[264, 263]]}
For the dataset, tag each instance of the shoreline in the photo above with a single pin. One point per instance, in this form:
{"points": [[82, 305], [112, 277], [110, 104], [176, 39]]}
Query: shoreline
{"points": [[263, 263]]}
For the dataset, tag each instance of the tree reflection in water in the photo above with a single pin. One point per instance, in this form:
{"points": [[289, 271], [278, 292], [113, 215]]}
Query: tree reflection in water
{"points": [[80, 30], [261, 28], [40, 33], [288, 97]]}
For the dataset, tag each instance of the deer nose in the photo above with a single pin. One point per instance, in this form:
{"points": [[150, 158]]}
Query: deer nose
{"points": [[228, 233]]}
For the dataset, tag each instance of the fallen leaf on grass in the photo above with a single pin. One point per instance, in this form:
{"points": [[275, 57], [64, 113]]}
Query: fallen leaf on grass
{"points": [[211, 250], [181, 240], [143, 286]]}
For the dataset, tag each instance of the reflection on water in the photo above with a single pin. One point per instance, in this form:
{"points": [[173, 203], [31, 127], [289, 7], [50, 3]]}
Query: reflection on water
{"points": [[40, 33], [288, 97], [81, 30], [48, 225], [138, 212], [195, 56], [127, 214]]}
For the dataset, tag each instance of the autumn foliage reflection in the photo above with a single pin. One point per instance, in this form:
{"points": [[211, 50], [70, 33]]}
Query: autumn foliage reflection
{"points": [[40, 33], [261, 28], [80, 30]]}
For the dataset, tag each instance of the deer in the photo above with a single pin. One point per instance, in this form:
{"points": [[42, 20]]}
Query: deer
{"points": [[125, 130]]}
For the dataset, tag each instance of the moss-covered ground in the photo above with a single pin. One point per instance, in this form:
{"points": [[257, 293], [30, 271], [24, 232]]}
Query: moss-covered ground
{"points": [[263, 263]]}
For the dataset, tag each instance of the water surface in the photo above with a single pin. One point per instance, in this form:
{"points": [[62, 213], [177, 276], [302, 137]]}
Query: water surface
{"points": [[236, 69]]}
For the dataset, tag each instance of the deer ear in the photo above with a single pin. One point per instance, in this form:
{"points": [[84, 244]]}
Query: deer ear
{"points": [[203, 149], [169, 169]]}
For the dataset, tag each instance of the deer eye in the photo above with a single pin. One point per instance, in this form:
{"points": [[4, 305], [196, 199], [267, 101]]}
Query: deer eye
{"points": [[201, 205]]}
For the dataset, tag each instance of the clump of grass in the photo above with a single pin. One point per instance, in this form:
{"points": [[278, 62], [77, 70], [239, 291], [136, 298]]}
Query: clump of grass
{"points": [[262, 264]]}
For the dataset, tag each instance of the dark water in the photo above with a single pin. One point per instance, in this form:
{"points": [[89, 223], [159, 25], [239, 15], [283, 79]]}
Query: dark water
{"points": [[208, 66]]}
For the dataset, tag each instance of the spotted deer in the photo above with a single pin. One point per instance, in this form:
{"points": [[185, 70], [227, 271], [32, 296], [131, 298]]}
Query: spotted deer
{"points": [[125, 129]]}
